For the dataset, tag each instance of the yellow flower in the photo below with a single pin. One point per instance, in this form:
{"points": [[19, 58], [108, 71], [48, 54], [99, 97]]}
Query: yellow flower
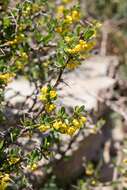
{"points": [[44, 89], [97, 24], [43, 97], [12, 42], [67, 1], [19, 64], [53, 94], [67, 39], [63, 128], [13, 160], [35, 7], [59, 29], [32, 167], [77, 48], [70, 50], [19, 38], [83, 44], [4, 181], [24, 55], [68, 19], [7, 77], [60, 10], [72, 65], [16, 40], [76, 123], [89, 169], [71, 131], [57, 124], [75, 15], [43, 128], [125, 161], [83, 119], [45, 94], [93, 182], [74, 50], [90, 45], [89, 172], [50, 107], [21, 27]]}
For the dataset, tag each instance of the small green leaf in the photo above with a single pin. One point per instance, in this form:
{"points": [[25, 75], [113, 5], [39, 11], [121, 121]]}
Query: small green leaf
{"points": [[62, 110], [88, 34], [6, 22], [79, 109], [1, 144]]}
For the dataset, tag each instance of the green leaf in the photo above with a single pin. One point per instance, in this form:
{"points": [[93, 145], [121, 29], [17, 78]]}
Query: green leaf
{"points": [[6, 22], [1, 144], [34, 156], [62, 110], [88, 34], [14, 134], [79, 109], [47, 38]]}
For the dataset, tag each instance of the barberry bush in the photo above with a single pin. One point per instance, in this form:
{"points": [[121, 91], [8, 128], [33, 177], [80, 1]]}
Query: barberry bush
{"points": [[39, 40]]}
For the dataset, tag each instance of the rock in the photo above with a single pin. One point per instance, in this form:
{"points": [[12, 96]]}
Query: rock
{"points": [[85, 83], [67, 170]]}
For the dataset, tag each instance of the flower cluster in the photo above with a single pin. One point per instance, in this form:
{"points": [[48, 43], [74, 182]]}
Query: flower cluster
{"points": [[80, 47], [6, 77], [77, 39], [73, 17], [72, 64], [21, 60], [68, 39], [48, 95], [43, 127], [67, 1], [13, 160], [4, 181], [69, 18], [60, 11], [18, 39], [32, 167], [68, 126]]}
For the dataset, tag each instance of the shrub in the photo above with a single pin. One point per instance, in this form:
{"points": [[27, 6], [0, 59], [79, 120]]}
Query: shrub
{"points": [[39, 40]]}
